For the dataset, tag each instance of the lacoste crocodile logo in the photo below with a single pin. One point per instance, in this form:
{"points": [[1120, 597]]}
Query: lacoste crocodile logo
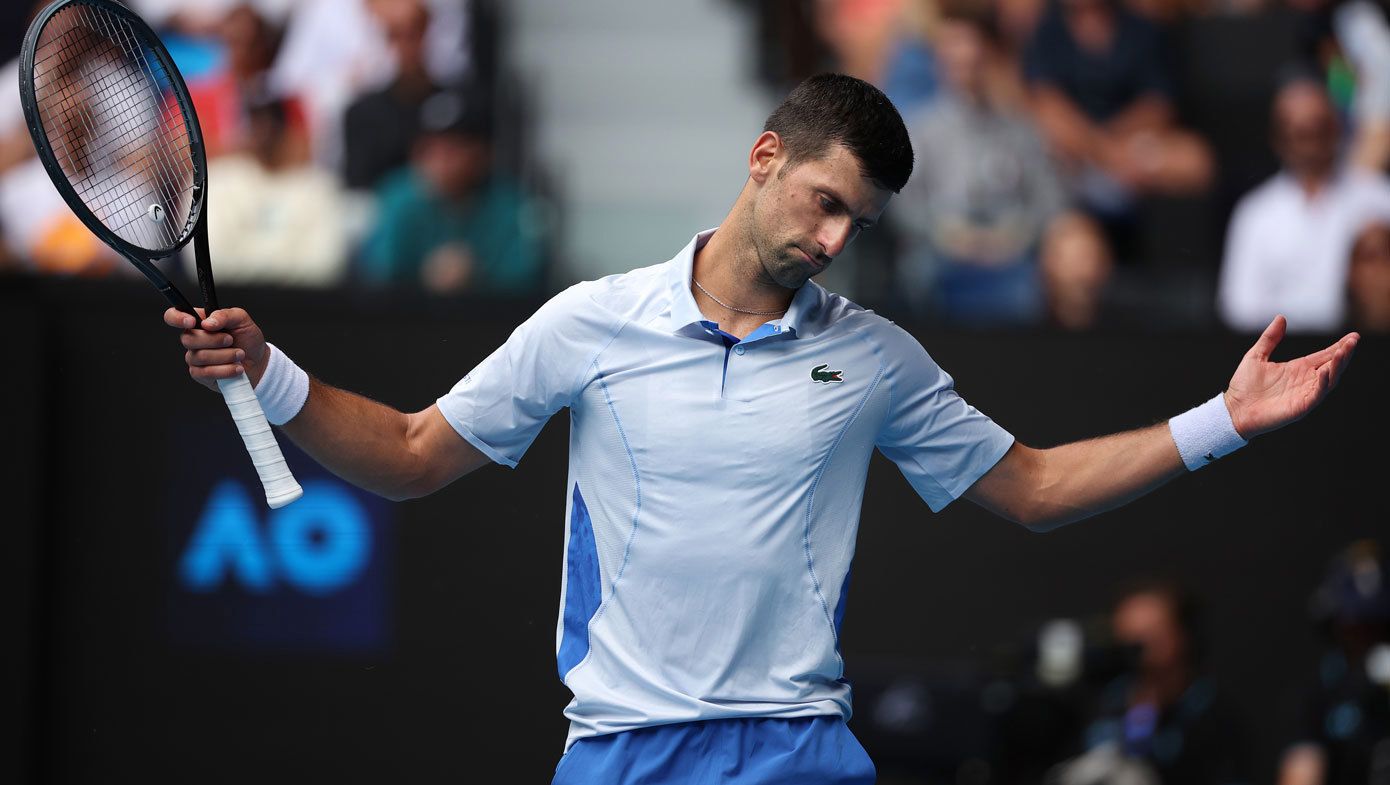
{"points": [[819, 374]]}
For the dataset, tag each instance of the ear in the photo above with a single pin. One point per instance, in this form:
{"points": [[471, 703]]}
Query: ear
{"points": [[765, 158]]}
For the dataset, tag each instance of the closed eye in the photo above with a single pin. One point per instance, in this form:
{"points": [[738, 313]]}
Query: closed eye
{"points": [[832, 206]]}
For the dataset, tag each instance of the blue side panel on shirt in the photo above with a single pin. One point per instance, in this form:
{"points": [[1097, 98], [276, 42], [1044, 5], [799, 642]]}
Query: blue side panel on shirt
{"points": [[582, 591], [840, 605]]}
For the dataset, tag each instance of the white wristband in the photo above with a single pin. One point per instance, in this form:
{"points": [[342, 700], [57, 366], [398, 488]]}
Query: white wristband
{"points": [[1205, 433], [283, 389]]}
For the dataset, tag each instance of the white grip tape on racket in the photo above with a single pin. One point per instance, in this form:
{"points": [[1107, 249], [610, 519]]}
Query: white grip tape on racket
{"points": [[280, 485]]}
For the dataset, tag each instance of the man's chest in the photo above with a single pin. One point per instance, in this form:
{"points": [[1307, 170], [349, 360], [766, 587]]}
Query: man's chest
{"points": [[770, 406]]}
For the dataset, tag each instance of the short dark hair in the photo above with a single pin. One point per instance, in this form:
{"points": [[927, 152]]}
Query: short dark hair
{"points": [[831, 109], [978, 15]]}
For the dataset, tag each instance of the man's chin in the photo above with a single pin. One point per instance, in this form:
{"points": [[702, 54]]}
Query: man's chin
{"points": [[796, 274]]}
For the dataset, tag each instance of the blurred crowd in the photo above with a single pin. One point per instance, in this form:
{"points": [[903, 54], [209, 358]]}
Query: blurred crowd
{"points": [[1080, 163], [348, 141], [1130, 697], [1094, 162]]}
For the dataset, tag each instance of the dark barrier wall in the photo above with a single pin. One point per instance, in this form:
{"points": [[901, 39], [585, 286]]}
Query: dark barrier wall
{"points": [[171, 629]]}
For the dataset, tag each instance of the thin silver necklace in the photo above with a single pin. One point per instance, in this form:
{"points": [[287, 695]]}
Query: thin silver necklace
{"points": [[730, 307]]}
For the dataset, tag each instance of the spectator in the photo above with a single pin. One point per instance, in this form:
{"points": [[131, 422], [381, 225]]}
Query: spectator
{"points": [[274, 218], [859, 34], [203, 18], [1161, 722], [1344, 729], [1363, 35], [910, 78], [1289, 240], [40, 230], [334, 51], [1103, 99], [448, 222], [382, 125], [984, 191], [1349, 40], [249, 42], [1368, 283], [1076, 271]]}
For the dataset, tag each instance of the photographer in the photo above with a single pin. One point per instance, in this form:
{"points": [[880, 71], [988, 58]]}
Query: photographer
{"points": [[1344, 733], [1160, 722]]}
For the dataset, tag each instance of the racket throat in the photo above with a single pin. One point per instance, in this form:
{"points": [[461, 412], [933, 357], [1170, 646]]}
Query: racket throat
{"points": [[204, 263]]}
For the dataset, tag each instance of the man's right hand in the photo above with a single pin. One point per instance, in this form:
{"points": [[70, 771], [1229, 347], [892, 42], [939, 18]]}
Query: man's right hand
{"points": [[227, 344]]}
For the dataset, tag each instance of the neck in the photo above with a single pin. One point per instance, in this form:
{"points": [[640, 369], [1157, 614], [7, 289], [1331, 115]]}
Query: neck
{"points": [[1312, 181], [1161, 689], [730, 268], [414, 84]]}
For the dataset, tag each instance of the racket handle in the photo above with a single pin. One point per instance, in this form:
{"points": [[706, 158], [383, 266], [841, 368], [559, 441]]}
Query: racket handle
{"points": [[280, 485]]}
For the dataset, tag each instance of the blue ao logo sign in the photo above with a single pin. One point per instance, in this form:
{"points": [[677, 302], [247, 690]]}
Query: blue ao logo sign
{"points": [[311, 576], [318, 545]]}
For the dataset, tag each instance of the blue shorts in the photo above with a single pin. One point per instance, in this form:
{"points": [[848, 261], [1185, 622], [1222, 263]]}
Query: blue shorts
{"points": [[752, 751]]}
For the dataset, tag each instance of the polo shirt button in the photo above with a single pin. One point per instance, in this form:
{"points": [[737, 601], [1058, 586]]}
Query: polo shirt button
{"points": [[739, 350]]}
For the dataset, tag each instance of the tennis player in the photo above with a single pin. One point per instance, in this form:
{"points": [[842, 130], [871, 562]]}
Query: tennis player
{"points": [[723, 410]]}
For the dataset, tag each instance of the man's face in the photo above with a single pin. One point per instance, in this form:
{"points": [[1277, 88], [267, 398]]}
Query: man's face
{"points": [[1305, 130], [805, 215], [1146, 620], [453, 164], [1369, 280], [962, 51]]}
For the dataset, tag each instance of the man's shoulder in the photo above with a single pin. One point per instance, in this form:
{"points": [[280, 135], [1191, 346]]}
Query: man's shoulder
{"points": [[1264, 196], [903, 357], [614, 299], [1371, 186], [837, 312]]}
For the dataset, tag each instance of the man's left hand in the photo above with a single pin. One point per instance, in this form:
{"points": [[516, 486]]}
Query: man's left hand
{"points": [[1265, 395]]}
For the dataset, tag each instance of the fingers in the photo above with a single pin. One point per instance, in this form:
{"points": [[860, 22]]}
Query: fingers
{"points": [[210, 374], [1326, 355], [228, 319], [1269, 339], [1323, 385], [1346, 347], [201, 339], [176, 318], [206, 358]]}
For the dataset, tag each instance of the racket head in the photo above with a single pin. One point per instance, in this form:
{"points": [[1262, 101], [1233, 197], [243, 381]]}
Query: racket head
{"points": [[113, 125]]}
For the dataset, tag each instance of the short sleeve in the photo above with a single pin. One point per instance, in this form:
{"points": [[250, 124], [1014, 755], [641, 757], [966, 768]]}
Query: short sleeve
{"points": [[940, 443], [501, 405]]}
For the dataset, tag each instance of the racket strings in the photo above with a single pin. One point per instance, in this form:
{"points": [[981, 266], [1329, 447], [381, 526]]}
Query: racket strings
{"points": [[115, 128], [122, 183], [163, 171], [88, 157], [171, 174]]}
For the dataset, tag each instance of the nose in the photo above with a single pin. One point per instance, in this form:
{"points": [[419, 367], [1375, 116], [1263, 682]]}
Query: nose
{"points": [[835, 235]]}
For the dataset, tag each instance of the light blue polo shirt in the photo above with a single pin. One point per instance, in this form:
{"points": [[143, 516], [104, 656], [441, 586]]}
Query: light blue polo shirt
{"points": [[714, 490]]}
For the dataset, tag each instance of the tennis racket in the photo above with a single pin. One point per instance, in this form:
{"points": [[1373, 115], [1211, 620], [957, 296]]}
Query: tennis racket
{"points": [[113, 124]]}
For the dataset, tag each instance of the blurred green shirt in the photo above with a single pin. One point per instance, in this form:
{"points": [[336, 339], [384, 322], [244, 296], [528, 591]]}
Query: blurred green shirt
{"points": [[498, 225]]}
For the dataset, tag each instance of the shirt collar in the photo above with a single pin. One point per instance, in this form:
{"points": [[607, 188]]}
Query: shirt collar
{"points": [[684, 311]]}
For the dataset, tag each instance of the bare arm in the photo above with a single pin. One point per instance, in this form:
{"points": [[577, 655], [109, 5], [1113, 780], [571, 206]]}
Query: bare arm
{"points": [[1068, 131], [1044, 489], [1150, 112], [369, 444]]}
